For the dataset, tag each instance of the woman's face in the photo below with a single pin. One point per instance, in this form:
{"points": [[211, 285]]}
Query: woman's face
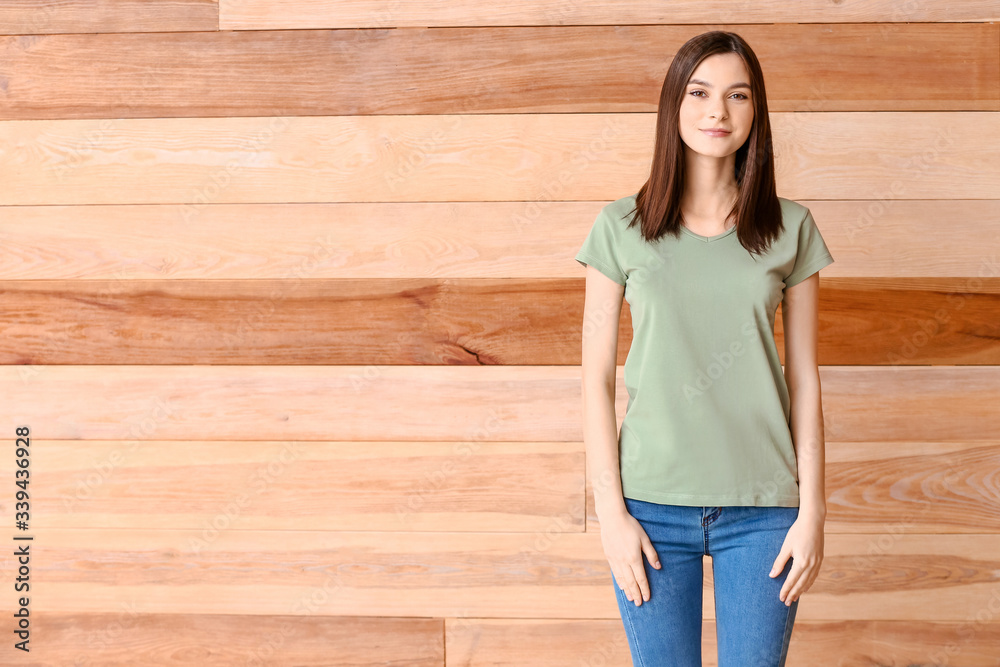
{"points": [[717, 96]]}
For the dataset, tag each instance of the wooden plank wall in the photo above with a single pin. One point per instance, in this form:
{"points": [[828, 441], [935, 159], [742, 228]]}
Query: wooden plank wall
{"points": [[290, 308]]}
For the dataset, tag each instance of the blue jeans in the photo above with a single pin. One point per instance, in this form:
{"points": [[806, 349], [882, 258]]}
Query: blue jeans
{"points": [[753, 625]]}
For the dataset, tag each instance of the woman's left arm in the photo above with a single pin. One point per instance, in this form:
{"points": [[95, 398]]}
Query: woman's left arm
{"points": [[804, 542]]}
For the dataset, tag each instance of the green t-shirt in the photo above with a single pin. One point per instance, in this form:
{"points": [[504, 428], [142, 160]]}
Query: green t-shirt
{"points": [[707, 422]]}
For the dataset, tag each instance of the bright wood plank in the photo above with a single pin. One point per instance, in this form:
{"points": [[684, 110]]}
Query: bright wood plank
{"points": [[852, 643], [205, 486], [505, 575], [469, 158], [126, 638], [210, 486], [119, 639], [516, 239], [32, 17], [809, 67], [368, 240], [262, 14], [440, 403], [903, 487]]}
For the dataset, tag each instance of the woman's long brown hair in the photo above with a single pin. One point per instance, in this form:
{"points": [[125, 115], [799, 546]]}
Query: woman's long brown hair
{"points": [[757, 209]]}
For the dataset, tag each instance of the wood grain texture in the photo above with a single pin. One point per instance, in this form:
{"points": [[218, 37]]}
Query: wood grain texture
{"points": [[242, 269], [119, 639], [496, 575], [305, 637], [386, 240], [578, 69], [263, 14], [472, 322], [847, 643], [890, 488], [206, 485], [871, 322], [470, 157], [441, 403], [33, 17]]}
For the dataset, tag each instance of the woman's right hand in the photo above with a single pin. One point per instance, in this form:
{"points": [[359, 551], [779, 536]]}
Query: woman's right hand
{"points": [[625, 541]]}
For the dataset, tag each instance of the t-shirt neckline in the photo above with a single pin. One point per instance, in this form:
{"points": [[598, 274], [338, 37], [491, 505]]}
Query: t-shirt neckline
{"points": [[708, 239]]}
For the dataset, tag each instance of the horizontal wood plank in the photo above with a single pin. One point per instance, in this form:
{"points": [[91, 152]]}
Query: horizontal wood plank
{"points": [[401, 509], [35, 17], [496, 575], [120, 639], [263, 14], [441, 403], [871, 487], [883, 321], [850, 643], [513, 239], [890, 488], [496, 70], [211, 486], [469, 157], [125, 637]]}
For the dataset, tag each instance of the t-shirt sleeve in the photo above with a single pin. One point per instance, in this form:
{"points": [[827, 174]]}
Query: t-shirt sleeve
{"points": [[812, 254], [601, 248]]}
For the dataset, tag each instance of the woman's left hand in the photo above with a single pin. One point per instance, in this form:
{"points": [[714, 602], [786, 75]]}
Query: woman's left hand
{"points": [[804, 544]]}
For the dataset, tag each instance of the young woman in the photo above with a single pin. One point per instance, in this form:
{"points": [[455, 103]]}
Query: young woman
{"points": [[720, 451]]}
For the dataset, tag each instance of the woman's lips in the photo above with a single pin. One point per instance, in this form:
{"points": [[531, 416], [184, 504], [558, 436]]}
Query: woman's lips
{"points": [[717, 133]]}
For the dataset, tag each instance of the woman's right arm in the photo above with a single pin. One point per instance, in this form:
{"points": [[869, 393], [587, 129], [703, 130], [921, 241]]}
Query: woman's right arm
{"points": [[623, 537], [601, 313]]}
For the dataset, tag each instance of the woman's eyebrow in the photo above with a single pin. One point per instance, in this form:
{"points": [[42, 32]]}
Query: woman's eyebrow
{"points": [[706, 83]]}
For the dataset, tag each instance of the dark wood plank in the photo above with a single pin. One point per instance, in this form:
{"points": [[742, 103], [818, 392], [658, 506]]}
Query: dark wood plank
{"points": [[901, 321], [579, 69], [878, 321], [35, 17], [492, 321]]}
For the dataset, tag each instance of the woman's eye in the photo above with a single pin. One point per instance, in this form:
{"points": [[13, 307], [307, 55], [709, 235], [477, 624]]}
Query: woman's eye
{"points": [[742, 95]]}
